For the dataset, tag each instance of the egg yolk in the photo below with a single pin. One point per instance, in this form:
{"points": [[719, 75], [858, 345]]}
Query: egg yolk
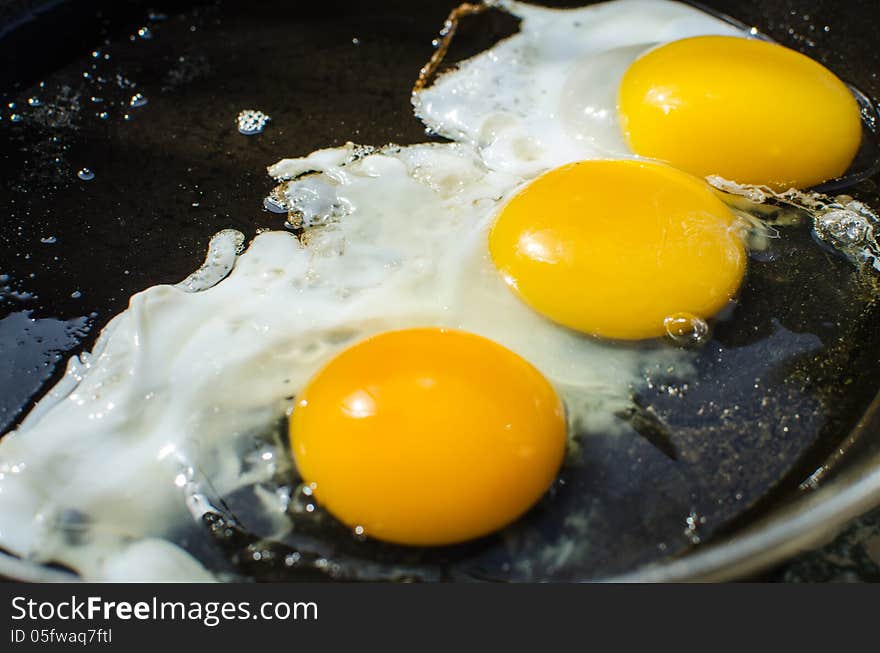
{"points": [[747, 110], [428, 436], [614, 248]]}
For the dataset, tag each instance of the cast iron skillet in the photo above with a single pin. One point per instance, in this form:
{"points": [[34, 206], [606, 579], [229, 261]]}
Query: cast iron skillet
{"points": [[173, 171]]}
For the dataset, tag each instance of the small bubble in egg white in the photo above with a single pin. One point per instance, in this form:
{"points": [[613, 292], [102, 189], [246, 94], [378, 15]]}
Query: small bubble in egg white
{"points": [[843, 226], [15, 117], [34, 101], [692, 522], [85, 174], [76, 294], [103, 115], [686, 329], [137, 100], [273, 205], [49, 240], [145, 33], [251, 121]]}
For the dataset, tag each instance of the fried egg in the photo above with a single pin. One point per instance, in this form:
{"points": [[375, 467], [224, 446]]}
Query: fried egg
{"points": [[169, 412], [428, 436], [647, 78], [621, 249], [692, 103]]}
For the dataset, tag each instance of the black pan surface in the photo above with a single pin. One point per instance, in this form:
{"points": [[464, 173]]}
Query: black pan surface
{"points": [[173, 171]]}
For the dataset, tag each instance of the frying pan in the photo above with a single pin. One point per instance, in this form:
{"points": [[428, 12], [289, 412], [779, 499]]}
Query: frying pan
{"points": [[170, 172]]}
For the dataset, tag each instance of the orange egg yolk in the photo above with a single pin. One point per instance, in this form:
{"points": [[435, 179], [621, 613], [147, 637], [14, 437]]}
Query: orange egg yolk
{"points": [[747, 110], [614, 248], [428, 436]]}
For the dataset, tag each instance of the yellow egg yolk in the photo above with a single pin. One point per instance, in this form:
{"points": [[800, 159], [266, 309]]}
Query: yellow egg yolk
{"points": [[614, 248], [428, 436], [747, 110]]}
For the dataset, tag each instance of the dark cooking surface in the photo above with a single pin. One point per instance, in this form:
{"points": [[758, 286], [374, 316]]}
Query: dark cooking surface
{"points": [[177, 171]]}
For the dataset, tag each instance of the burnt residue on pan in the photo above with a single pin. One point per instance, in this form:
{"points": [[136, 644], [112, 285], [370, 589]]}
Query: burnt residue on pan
{"points": [[121, 156]]}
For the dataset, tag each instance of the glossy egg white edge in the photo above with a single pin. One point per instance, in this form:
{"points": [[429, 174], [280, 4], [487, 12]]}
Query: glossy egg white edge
{"points": [[170, 411]]}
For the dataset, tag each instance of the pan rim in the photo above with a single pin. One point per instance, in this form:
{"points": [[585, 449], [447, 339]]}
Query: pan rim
{"points": [[800, 525]]}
